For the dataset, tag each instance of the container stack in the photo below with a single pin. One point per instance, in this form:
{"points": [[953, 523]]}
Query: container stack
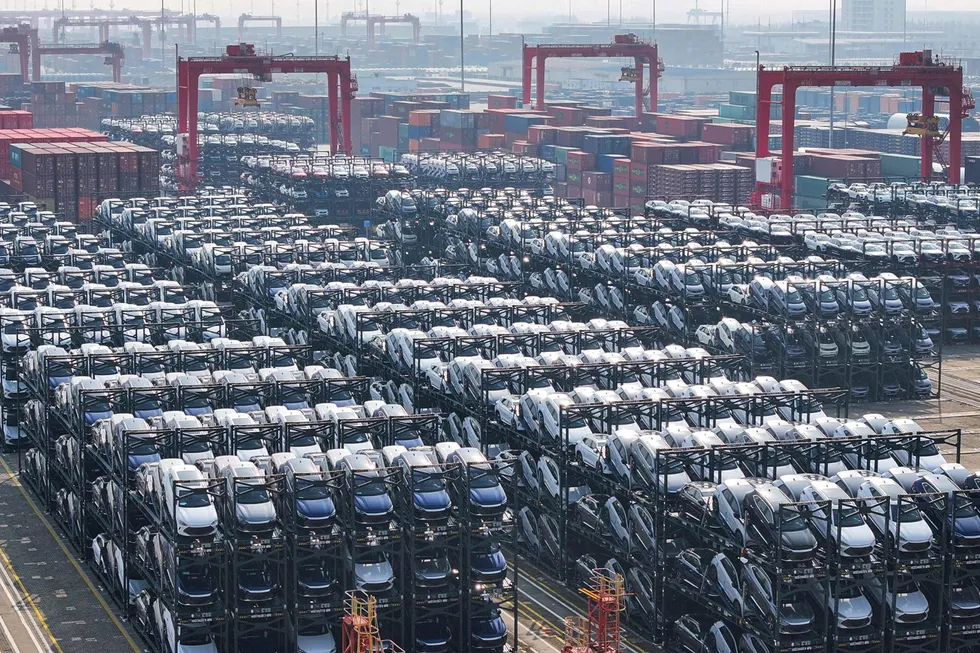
{"points": [[16, 119], [37, 136], [52, 105], [73, 178]]}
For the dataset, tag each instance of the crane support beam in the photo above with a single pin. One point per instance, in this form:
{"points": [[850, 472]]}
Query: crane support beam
{"points": [[60, 24], [624, 45], [242, 60], [373, 21], [918, 69], [26, 39], [248, 18], [113, 52]]}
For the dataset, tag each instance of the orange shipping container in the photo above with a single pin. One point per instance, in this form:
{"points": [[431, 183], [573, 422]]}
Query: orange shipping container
{"points": [[490, 141]]}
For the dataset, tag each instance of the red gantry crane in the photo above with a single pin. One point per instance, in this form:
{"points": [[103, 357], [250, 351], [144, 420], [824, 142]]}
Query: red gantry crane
{"points": [[256, 19], [24, 38], [600, 631], [62, 22], [242, 59], [623, 45], [360, 634], [113, 56], [921, 69]]}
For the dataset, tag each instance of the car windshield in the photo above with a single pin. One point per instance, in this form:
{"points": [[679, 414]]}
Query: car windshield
{"points": [[847, 516], [921, 293], [482, 476], [196, 402], [190, 499], [103, 368], [369, 484], [250, 494], [826, 296], [858, 294], [964, 508], [426, 481], [889, 293], [310, 492], [906, 512], [792, 521]]}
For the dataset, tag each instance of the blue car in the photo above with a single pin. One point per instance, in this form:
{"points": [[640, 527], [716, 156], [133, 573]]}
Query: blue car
{"points": [[488, 632], [428, 486], [479, 479]]}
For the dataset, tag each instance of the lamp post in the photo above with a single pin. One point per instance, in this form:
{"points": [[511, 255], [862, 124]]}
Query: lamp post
{"points": [[462, 67], [833, 52]]}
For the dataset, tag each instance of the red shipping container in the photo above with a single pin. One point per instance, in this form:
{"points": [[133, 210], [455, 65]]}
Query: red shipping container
{"points": [[501, 101], [490, 141], [594, 180], [621, 200], [541, 134], [578, 160]]}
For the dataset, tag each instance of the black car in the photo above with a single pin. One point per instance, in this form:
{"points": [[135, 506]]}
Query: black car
{"points": [[642, 527], [588, 510], [433, 571], [640, 599], [432, 636], [792, 616], [690, 631], [698, 501], [770, 524]]}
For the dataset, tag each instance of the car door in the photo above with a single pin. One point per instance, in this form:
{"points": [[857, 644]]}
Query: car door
{"points": [[731, 514]]}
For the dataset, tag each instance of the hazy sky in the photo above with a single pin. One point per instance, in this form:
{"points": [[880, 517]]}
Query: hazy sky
{"points": [[505, 11]]}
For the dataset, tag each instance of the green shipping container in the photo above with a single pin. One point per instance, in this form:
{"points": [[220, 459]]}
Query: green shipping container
{"points": [[811, 186], [895, 165], [387, 153], [561, 154]]}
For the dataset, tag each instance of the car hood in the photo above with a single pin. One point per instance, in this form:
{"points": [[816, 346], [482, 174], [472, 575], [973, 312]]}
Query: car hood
{"points": [[796, 613], [968, 526], [256, 513], [379, 504], [488, 496], [488, 628], [913, 531], [488, 562], [316, 508], [856, 608], [801, 541], [432, 500], [856, 536], [316, 643], [203, 517], [913, 602], [378, 572]]}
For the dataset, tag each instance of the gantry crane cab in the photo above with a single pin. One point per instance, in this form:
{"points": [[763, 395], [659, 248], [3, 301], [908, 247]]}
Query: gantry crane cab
{"points": [[240, 50]]}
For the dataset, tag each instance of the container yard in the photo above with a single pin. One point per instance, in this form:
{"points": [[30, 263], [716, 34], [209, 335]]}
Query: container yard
{"points": [[488, 332]]}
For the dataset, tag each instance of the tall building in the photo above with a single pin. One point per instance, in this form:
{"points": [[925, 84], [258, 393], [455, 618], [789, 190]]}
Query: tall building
{"points": [[872, 16]]}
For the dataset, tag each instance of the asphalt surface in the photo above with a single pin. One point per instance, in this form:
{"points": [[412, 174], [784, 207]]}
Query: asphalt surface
{"points": [[543, 605], [57, 604]]}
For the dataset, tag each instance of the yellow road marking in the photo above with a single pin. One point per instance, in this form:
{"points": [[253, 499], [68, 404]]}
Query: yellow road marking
{"points": [[74, 563]]}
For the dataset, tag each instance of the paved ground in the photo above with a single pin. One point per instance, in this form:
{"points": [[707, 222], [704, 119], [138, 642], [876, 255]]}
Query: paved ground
{"points": [[49, 601], [957, 407]]}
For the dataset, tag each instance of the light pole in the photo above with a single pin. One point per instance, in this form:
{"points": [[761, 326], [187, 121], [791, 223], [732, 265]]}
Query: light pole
{"points": [[757, 77], [462, 68], [833, 52]]}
